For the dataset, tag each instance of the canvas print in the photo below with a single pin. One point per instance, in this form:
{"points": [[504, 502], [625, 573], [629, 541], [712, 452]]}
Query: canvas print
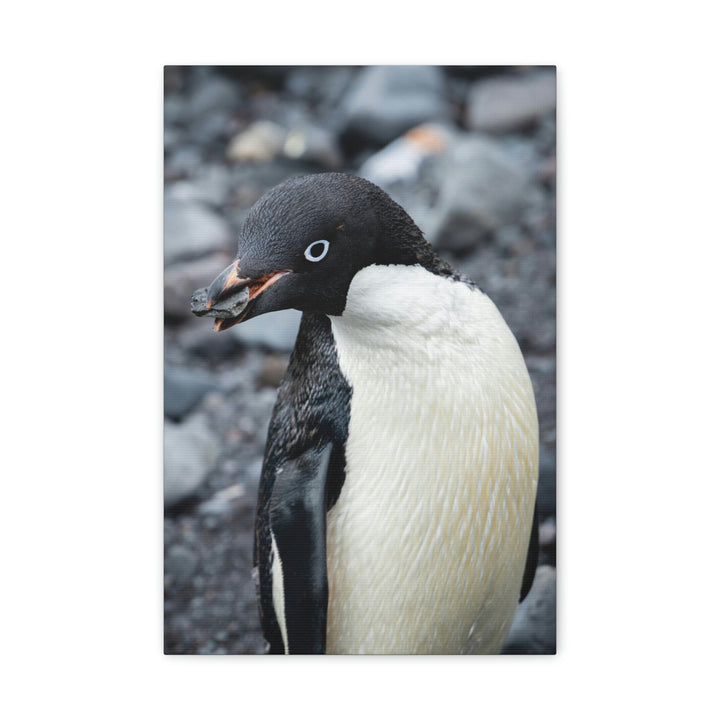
{"points": [[359, 378]]}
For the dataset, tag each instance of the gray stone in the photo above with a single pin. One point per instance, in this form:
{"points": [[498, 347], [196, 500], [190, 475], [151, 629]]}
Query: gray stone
{"points": [[184, 161], [482, 188], [182, 279], [180, 563], [533, 631], [546, 492], [313, 144], [232, 499], [385, 101], [184, 389], [210, 185], [275, 331], [193, 230], [211, 94], [191, 450], [547, 532], [261, 142], [273, 370], [511, 102]]}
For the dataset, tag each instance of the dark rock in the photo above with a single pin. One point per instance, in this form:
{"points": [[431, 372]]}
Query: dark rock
{"points": [[174, 109], [533, 631], [183, 162], [182, 279], [482, 188], [385, 101], [184, 389], [201, 342], [273, 371], [180, 563], [191, 449], [212, 93], [192, 230], [210, 185], [546, 492], [275, 331], [322, 87], [511, 102]]}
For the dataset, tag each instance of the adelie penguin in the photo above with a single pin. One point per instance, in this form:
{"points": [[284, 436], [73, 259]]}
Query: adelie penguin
{"points": [[396, 504]]}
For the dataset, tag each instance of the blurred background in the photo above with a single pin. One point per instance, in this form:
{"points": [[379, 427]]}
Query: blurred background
{"points": [[469, 152]]}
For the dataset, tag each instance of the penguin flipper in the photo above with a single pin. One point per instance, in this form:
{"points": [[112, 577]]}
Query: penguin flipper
{"points": [[297, 526], [532, 557]]}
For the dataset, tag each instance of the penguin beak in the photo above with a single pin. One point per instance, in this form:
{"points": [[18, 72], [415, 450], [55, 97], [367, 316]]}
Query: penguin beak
{"points": [[229, 295]]}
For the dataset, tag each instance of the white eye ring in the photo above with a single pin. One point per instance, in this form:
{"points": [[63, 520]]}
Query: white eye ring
{"points": [[313, 246]]}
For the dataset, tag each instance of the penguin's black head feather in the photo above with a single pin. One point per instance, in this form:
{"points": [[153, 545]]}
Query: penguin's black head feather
{"points": [[304, 241]]}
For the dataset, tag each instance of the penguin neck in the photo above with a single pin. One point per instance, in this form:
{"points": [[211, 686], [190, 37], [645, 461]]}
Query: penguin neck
{"points": [[398, 305]]}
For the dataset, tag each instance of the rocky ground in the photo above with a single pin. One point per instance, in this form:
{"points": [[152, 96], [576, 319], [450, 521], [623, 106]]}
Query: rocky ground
{"points": [[469, 152]]}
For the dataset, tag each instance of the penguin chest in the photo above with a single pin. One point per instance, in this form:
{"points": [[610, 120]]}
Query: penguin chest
{"points": [[430, 533]]}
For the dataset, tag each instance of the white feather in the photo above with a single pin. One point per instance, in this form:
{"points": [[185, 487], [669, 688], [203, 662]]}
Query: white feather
{"points": [[430, 532]]}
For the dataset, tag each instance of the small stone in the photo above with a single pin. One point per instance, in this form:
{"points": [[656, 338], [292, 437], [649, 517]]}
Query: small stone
{"points": [[191, 450], [225, 502], [275, 331], [534, 628], [511, 102], [482, 188], [313, 144], [546, 532], [192, 230], [182, 279], [210, 185], [183, 390], [546, 492], [213, 94], [180, 563], [261, 142], [385, 101], [273, 370], [400, 160]]}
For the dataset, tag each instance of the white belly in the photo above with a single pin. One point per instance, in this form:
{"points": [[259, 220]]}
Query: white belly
{"points": [[430, 533]]}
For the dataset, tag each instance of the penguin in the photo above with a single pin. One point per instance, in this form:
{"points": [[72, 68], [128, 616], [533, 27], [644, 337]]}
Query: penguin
{"points": [[396, 507]]}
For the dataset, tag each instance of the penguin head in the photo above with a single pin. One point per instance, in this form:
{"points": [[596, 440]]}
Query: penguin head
{"points": [[304, 241]]}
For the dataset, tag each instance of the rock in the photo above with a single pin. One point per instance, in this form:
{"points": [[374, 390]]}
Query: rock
{"points": [[400, 160], [511, 102], [323, 87], [174, 109], [313, 144], [191, 449], [184, 161], [481, 188], [533, 630], [261, 142], [180, 563], [212, 94], [184, 388], [275, 331], [547, 532], [385, 101], [200, 341], [546, 492], [273, 371], [193, 230], [182, 279], [210, 185], [230, 500]]}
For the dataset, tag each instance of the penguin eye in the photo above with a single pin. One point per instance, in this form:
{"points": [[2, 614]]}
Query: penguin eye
{"points": [[317, 250]]}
